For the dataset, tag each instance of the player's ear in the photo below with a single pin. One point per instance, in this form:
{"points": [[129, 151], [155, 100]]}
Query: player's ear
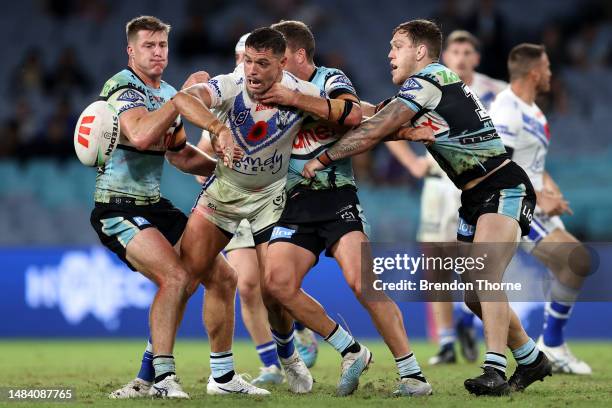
{"points": [[129, 50], [477, 59], [283, 62], [421, 52]]}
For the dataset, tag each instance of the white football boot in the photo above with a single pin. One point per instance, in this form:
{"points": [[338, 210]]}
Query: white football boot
{"points": [[298, 376], [169, 387], [237, 385], [563, 360], [137, 388]]}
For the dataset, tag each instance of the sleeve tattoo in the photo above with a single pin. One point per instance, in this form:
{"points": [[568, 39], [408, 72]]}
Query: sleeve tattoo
{"points": [[372, 131]]}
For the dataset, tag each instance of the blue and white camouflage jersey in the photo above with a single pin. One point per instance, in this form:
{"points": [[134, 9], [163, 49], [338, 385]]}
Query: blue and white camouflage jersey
{"points": [[130, 172], [524, 130], [316, 135], [264, 132], [467, 145]]}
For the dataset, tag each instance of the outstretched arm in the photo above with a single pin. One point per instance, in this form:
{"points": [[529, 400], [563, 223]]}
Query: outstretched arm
{"points": [[195, 111], [343, 109], [373, 130]]}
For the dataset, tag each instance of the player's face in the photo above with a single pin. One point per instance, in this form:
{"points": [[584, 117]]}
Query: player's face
{"points": [[292, 64], [402, 58], [462, 58], [262, 68], [542, 71], [149, 52]]}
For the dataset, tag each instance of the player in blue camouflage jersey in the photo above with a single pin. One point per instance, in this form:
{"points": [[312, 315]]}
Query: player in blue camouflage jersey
{"points": [[497, 201], [130, 216], [324, 213]]}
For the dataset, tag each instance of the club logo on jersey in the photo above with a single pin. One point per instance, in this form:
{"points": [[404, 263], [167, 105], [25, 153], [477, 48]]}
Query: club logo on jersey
{"points": [[130, 96], [411, 84], [242, 116]]}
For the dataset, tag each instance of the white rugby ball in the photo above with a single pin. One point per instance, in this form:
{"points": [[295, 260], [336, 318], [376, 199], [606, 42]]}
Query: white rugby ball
{"points": [[96, 134]]}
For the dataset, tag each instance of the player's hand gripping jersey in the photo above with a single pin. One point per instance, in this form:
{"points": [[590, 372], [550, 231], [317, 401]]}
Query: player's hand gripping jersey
{"points": [[467, 145], [254, 188], [264, 132], [317, 135], [129, 172], [524, 129]]}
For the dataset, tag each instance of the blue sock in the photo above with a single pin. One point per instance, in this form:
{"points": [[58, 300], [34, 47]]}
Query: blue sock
{"points": [[446, 338], [340, 339], [284, 343], [267, 354], [556, 315], [526, 354], [222, 366], [147, 372], [496, 360], [466, 317], [408, 367], [298, 326]]}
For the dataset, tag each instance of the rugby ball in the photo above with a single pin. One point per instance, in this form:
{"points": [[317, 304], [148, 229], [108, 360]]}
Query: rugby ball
{"points": [[96, 134]]}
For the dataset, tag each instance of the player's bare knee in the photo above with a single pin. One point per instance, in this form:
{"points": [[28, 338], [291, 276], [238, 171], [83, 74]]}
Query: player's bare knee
{"points": [[580, 261], [249, 290], [278, 284]]}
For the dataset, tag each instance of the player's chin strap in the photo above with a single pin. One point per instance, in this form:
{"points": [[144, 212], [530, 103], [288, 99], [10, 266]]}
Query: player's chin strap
{"points": [[338, 110]]}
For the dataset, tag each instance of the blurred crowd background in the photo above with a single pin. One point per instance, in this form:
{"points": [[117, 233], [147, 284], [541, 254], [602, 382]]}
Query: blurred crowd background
{"points": [[59, 53]]}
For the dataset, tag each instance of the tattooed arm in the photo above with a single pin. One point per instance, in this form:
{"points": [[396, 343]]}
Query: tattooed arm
{"points": [[372, 131]]}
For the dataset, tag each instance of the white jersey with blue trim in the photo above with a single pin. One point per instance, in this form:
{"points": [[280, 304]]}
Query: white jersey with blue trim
{"points": [[524, 129], [486, 88], [264, 132]]}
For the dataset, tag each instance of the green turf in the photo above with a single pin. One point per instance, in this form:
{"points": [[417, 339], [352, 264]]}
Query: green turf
{"points": [[94, 368]]}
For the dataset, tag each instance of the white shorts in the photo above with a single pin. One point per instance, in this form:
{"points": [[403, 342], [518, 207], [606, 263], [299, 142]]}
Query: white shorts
{"points": [[243, 237], [541, 226], [226, 205], [440, 202]]}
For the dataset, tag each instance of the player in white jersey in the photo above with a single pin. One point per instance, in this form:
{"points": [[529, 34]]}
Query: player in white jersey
{"points": [[242, 255], [525, 132], [253, 188]]}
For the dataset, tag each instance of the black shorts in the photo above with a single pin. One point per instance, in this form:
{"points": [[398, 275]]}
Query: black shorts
{"points": [[117, 224], [508, 191], [316, 219]]}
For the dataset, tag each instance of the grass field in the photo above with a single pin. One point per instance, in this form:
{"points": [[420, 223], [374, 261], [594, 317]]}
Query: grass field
{"points": [[94, 368]]}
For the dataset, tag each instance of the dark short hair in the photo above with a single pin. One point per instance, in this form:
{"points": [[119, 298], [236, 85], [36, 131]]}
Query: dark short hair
{"points": [[297, 35], [423, 32], [267, 38], [148, 23], [522, 58], [462, 37]]}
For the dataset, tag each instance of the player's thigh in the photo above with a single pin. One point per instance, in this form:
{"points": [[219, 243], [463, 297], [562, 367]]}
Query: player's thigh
{"points": [[152, 255], [353, 254], [495, 240], [202, 241], [286, 265]]}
